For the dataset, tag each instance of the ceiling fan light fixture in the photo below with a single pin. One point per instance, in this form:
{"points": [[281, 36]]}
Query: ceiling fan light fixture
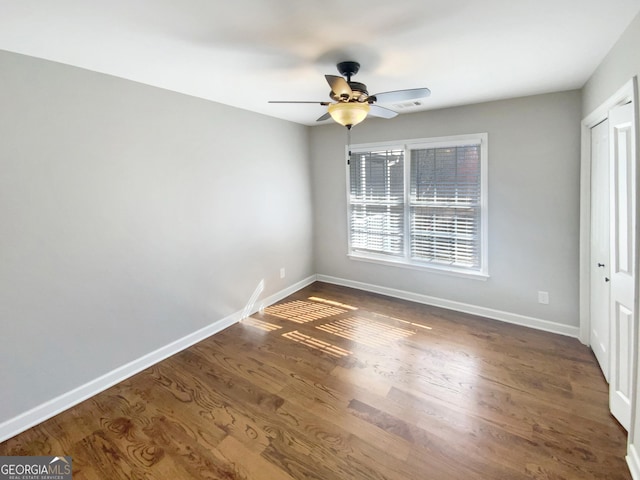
{"points": [[349, 114]]}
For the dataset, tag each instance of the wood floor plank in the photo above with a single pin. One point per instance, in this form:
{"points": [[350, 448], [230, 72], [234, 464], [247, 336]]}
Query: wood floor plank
{"points": [[321, 394], [314, 437], [334, 383]]}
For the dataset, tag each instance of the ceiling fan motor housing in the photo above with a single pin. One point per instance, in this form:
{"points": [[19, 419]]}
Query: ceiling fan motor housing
{"points": [[359, 93], [359, 90]]}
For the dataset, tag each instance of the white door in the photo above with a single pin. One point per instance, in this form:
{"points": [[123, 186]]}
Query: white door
{"points": [[623, 271], [600, 237]]}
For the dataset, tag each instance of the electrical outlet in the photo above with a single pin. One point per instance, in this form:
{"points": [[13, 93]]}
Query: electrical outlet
{"points": [[543, 297], [282, 273]]}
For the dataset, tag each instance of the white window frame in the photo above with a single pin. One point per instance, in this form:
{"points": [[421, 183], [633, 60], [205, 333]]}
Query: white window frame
{"points": [[407, 145]]}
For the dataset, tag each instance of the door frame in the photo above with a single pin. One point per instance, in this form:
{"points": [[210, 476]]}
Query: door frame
{"points": [[626, 94]]}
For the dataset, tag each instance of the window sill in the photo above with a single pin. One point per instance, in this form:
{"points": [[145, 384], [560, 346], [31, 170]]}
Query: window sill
{"points": [[441, 269]]}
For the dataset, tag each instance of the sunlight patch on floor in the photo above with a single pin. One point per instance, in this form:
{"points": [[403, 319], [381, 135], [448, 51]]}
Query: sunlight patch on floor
{"points": [[260, 324], [302, 312], [316, 344], [365, 331], [333, 302]]}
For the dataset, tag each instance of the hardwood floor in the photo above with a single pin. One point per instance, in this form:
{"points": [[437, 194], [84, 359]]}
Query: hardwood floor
{"points": [[333, 383]]}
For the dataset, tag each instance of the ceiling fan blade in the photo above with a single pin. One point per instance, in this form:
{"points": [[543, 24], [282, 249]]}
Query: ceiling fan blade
{"points": [[378, 111], [299, 101], [402, 95], [324, 117], [339, 86]]}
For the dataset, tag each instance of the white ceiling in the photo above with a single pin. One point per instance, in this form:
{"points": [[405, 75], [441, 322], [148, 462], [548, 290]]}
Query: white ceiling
{"points": [[246, 52]]}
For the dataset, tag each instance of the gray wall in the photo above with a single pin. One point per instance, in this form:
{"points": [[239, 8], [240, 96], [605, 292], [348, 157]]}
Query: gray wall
{"points": [[130, 217], [621, 63], [533, 204]]}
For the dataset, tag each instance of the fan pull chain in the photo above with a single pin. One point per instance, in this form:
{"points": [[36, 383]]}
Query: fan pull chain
{"points": [[349, 146]]}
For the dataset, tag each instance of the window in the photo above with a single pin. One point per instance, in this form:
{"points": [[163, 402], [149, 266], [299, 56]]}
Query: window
{"points": [[420, 203]]}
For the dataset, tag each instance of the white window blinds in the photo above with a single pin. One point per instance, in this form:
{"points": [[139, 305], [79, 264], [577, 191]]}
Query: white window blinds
{"points": [[376, 214], [445, 205], [421, 203]]}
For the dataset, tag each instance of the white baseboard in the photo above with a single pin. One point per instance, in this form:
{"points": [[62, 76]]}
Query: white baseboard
{"points": [[633, 461], [73, 397], [507, 317], [276, 297]]}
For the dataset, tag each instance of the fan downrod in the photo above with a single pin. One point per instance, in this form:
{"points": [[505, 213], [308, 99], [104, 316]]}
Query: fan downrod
{"points": [[348, 69]]}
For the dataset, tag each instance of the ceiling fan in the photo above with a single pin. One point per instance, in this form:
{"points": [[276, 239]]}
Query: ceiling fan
{"points": [[351, 101]]}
